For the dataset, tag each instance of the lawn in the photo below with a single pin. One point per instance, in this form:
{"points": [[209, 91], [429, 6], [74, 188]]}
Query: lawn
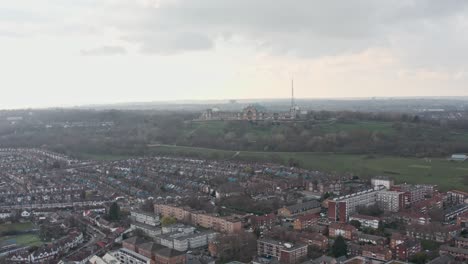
{"points": [[220, 127], [373, 126], [27, 239], [104, 157], [446, 174], [22, 240], [16, 227]]}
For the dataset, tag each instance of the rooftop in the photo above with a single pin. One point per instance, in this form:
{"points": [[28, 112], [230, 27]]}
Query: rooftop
{"points": [[169, 252]]}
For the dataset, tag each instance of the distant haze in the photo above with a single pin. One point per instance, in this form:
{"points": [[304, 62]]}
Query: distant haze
{"points": [[65, 53]]}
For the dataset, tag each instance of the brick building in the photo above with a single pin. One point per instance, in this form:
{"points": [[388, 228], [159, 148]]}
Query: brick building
{"points": [[311, 207], [169, 256], [263, 221], [181, 214], [305, 221], [217, 223], [339, 209], [458, 253], [407, 249], [286, 253], [338, 229], [314, 239], [366, 220]]}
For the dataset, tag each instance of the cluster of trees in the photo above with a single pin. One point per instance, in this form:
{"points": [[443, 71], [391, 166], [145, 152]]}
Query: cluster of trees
{"points": [[113, 213], [129, 134], [236, 247], [49, 232], [133, 131], [246, 204], [167, 221], [338, 249], [371, 210], [399, 138]]}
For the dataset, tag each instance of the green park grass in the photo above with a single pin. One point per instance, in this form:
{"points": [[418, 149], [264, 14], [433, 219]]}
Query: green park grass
{"points": [[333, 127], [446, 174], [18, 227], [29, 239], [22, 240], [103, 157], [442, 172]]}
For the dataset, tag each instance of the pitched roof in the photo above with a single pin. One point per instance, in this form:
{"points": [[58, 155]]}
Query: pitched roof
{"points": [[303, 206], [454, 249], [308, 217]]}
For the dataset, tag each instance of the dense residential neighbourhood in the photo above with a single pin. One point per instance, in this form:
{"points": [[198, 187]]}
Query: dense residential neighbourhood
{"points": [[233, 132], [56, 209]]}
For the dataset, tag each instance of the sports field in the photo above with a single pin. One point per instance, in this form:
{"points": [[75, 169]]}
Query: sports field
{"points": [[22, 239]]}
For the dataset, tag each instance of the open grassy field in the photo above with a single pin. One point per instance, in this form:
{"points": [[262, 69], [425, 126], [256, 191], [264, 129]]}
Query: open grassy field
{"points": [[107, 157], [22, 240], [446, 174], [438, 171], [27, 239], [16, 227], [220, 127], [374, 126]]}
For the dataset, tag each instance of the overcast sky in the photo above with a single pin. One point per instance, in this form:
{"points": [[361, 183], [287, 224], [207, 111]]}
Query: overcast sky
{"points": [[64, 52]]}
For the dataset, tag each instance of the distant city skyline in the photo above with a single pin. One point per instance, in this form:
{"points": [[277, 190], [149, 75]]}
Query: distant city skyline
{"points": [[70, 53]]}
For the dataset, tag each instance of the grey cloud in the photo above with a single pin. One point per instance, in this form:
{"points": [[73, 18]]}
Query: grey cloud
{"points": [[9, 34], [306, 28], [175, 43], [22, 16], [104, 51]]}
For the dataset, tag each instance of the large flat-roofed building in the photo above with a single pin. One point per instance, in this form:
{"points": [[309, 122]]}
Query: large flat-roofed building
{"points": [[457, 197], [458, 253], [106, 259], [170, 256], [136, 250], [221, 224], [127, 256], [310, 207], [366, 220], [151, 231], [183, 241], [413, 193], [217, 223], [181, 214], [391, 201], [382, 181], [459, 157], [286, 253], [145, 218], [345, 230], [339, 209]]}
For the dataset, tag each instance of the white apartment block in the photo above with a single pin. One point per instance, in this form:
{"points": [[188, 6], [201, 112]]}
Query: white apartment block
{"points": [[145, 218], [366, 221], [151, 231], [181, 228], [382, 181], [390, 201], [364, 198], [126, 256], [182, 241]]}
